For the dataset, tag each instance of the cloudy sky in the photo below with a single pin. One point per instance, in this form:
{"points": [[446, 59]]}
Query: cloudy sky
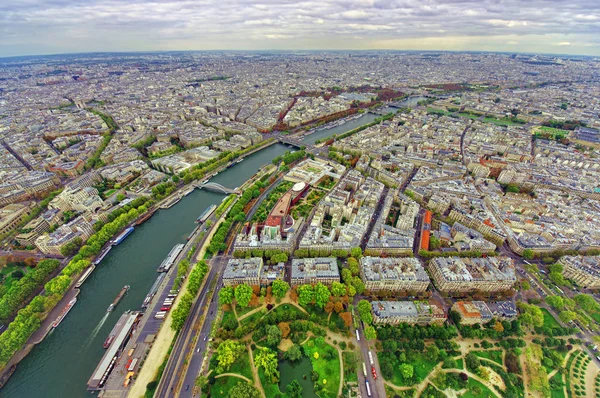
{"points": [[62, 26]]}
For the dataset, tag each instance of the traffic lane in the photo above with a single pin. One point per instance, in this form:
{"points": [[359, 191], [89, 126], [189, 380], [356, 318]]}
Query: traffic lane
{"points": [[201, 344], [364, 348], [196, 362], [173, 365]]}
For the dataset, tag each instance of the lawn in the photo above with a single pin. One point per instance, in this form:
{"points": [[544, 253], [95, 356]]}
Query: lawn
{"points": [[422, 367], [229, 319], [242, 366], [223, 385], [477, 390], [350, 366], [549, 320], [290, 308], [252, 318], [327, 364], [559, 391], [241, 311], [493, 355]]}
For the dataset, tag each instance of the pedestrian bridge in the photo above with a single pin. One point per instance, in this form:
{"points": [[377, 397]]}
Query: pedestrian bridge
{"points": [[216, 187]]}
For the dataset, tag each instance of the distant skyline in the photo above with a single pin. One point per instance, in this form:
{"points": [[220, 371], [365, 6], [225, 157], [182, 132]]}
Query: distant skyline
{"points": [[37, 27]]}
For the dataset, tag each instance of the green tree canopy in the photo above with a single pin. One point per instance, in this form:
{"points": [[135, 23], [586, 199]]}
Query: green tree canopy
{"points": [[243, 295]]}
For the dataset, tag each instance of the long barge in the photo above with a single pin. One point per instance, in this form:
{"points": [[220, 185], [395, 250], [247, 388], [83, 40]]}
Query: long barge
{"points": [[122, 236], [64, 312], [102, 254], [85, 275], [116, 329], [112, 305], [145, 217], [205, 214], [176, 198], [153, 290], [170, 259]]}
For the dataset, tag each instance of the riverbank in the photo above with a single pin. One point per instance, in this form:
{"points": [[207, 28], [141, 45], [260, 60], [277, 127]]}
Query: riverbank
{"points": [[166, 336]]}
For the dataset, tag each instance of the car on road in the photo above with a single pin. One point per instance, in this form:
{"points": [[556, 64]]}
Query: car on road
{"points": [[187, 387]]}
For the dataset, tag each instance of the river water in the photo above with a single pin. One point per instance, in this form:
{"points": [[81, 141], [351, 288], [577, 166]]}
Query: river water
{"points": [[363, 119], [61, 365]]}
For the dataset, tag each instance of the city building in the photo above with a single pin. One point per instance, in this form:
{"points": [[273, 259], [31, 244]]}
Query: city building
{"points": [[78, 199], [472, 312], [52, 243], [393, 274], [307, 271], [411, 312], [583, 270], [463, 275], [12, 215], [243, 271]]}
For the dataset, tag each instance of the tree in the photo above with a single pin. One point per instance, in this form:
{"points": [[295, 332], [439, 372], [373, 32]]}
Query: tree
{"points": [[557, 278], [432, 352], [364, 311], [273, 335], [370, 333], [306, 295], [227, 353], [351, 290], [407, 371], [358, 285], [531, 315], [285, 329], [226, 295], [201, 381], [498, 327], [267, 359], [556, 302], [181, 312], [556, 268], [347, 318], [567, 316], [321, 295], [329, 307], [528, 254], [338, 289], [525, 285], [356, 252], [280, 288], [587, 302], [338, 307], [244, 390], [294, 390], [294, 353], [472, 361], [243, 295], [353, 266]]}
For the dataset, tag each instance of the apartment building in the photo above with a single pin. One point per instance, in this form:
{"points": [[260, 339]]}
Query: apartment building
{"points": [[583, 270], [411, 312], [243, 271], [393, 274], [463, 275], [314, 270]]}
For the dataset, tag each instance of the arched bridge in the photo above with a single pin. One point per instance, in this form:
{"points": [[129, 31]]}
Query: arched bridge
{"points": [[216, 187]]}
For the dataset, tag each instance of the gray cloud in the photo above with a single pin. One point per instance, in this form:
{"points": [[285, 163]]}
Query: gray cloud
{"points": [[36, 26]]}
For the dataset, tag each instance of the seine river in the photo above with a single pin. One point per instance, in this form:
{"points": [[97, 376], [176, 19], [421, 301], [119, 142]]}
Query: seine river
{"points": [[61, 365]]}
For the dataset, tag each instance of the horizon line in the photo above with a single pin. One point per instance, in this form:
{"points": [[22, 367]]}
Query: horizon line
{"points": [[294, 51]]}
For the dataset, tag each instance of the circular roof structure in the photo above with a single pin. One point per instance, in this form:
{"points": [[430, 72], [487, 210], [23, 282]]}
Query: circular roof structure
{"points": [[299, 186]]}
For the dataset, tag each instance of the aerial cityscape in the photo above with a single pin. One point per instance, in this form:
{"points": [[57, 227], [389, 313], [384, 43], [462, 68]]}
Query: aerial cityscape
{"points": [[299, 220]]}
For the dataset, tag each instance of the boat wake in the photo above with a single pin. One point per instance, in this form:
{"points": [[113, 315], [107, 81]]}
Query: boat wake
{"points": [[96, 330]]}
